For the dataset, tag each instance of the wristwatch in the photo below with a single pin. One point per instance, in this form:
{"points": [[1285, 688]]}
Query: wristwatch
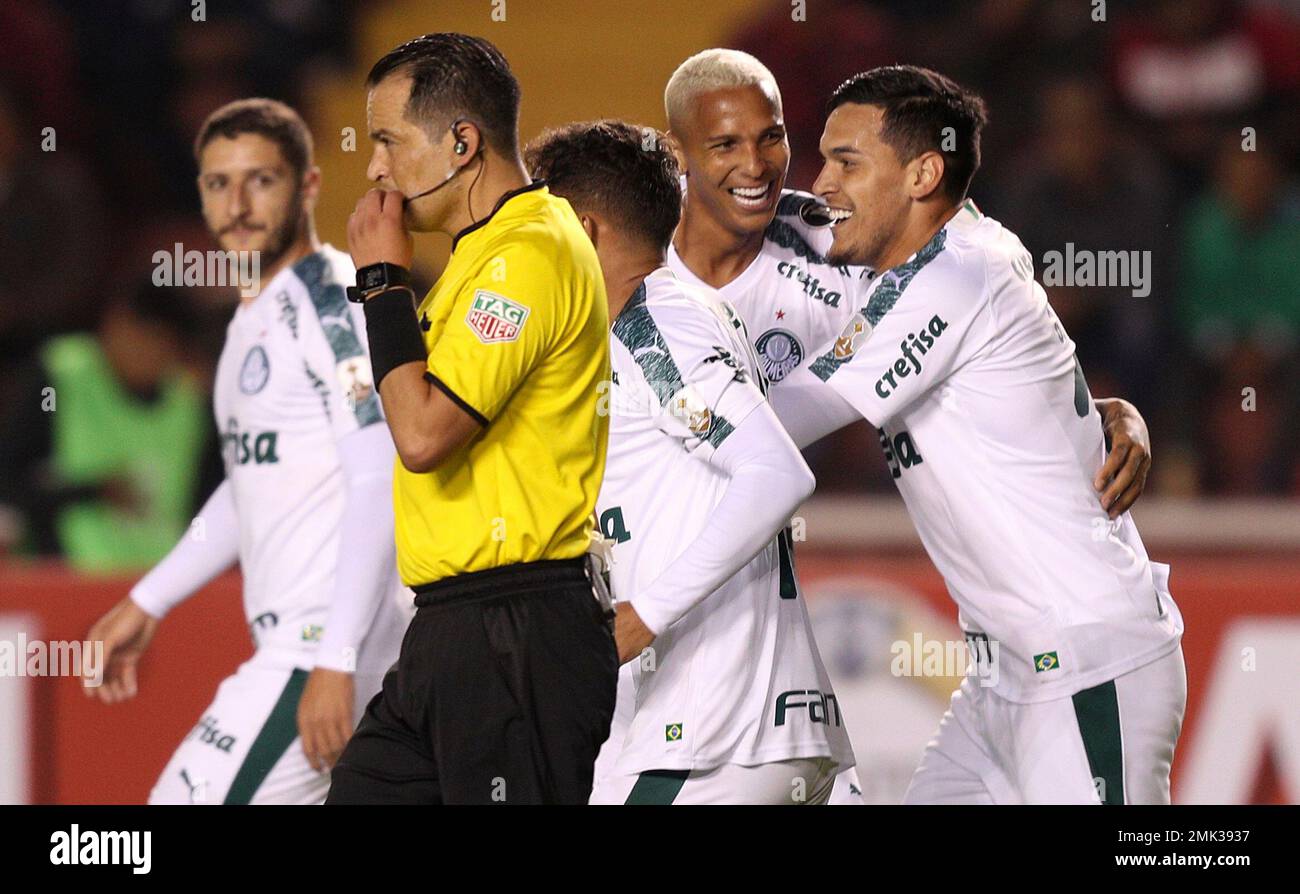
{"points": [[375, 278]]}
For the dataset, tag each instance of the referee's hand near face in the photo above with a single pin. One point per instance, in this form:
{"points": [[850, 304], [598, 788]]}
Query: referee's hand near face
{"points": [[505, 685]]}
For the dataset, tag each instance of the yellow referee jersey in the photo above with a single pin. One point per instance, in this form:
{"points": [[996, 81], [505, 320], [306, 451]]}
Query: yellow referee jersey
{"points": [[517, 330]]}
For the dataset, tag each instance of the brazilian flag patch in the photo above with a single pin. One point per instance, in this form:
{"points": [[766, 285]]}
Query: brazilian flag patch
{"points": [[1046, 662], [673, 732]]}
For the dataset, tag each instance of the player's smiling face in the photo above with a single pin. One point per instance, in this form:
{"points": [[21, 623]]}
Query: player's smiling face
{"points": [[251, 199], [736, 154], [403, 158], [863, 182]]}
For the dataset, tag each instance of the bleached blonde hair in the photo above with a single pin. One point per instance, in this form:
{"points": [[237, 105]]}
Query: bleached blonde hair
{"points": [[715, 69]]}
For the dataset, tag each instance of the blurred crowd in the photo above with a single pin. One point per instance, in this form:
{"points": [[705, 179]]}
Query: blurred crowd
{"points": [[1170, 127], [106, 436]]}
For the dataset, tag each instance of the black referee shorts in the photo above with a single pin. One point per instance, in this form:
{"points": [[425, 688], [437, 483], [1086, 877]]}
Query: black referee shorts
{"points": [[503, 693]]}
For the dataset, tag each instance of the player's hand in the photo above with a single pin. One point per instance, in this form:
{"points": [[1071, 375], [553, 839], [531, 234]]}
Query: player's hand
{"points": [[126, 631], [630, 633], [1123, 475], [325, 716], [377, 231]]}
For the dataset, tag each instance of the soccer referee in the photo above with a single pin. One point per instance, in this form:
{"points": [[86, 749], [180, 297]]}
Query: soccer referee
{"points": [[504, 689]]}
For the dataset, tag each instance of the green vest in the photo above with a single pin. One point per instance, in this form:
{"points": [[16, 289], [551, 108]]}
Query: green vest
{"points": [[100, 431]]}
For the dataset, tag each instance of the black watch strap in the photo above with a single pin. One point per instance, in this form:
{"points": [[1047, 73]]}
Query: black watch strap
{"points": [[375, 278]]}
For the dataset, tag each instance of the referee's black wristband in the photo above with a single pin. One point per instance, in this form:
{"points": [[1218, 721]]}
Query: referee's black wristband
{"points": [[393, 332]]}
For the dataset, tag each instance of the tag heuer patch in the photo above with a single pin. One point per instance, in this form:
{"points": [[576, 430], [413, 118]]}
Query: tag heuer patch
{"points": [[673, 732], [1045, 662], [495, 318]]}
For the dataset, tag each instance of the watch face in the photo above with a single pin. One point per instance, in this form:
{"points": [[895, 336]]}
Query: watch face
{"points": [[373, 276]]}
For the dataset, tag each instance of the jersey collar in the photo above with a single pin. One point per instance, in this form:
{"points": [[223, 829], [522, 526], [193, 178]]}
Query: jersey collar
{"points": [[967, 217], [536, 184], [642, 290], [308, 266], [738, 286]]}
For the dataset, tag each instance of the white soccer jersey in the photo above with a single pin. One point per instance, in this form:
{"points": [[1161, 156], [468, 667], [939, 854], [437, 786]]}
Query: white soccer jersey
{"points": [[993, 440], [293, 378], [792, 299], [738, 678]]}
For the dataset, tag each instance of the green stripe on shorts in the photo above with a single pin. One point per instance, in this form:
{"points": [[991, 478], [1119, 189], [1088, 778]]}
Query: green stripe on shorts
{"points": [[274, 739], [1097, 710], [657, 787]]}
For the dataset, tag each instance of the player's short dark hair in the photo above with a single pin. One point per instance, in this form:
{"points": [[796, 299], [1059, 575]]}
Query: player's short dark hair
{"points": [[613, 168], [453, 76], [268, 117], [919, 104]]}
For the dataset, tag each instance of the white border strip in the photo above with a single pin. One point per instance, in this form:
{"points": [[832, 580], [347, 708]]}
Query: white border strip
{"points": [[16, 716]]}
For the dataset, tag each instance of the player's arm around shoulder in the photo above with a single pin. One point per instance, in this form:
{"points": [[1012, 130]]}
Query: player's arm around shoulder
{"points": [[722, 418], [1122, 477], [767, 481]]}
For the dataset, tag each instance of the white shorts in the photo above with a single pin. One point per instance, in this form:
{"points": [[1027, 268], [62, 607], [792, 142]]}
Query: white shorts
{"points": [[245, 748], [801, 781], [1111, 744]]}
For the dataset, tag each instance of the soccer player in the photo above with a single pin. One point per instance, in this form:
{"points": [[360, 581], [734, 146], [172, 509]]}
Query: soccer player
{"points": [[700, 482], [761, 246], [305, 506], [956, 356], [764, 248], [505, 685]]}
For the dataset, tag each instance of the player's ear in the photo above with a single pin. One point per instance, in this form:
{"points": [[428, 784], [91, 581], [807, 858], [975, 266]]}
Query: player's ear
{"points": [[674, 146], [310, 188], [925, 174], [589, 225]]}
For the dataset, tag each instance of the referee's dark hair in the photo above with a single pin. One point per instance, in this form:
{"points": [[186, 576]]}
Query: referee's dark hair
{"points": [[614, 168], [268, 117], [452, 76], [919, 104]]}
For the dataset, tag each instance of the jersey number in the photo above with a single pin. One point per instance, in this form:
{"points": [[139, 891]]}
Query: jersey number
{"points": [[789, 588]]}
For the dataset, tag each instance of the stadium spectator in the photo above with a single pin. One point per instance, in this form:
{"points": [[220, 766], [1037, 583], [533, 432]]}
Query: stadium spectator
{"points": [[1079, 180], [1185, 68], [51, 233], [1241, 239], [1240, 313], [101, 446]]}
